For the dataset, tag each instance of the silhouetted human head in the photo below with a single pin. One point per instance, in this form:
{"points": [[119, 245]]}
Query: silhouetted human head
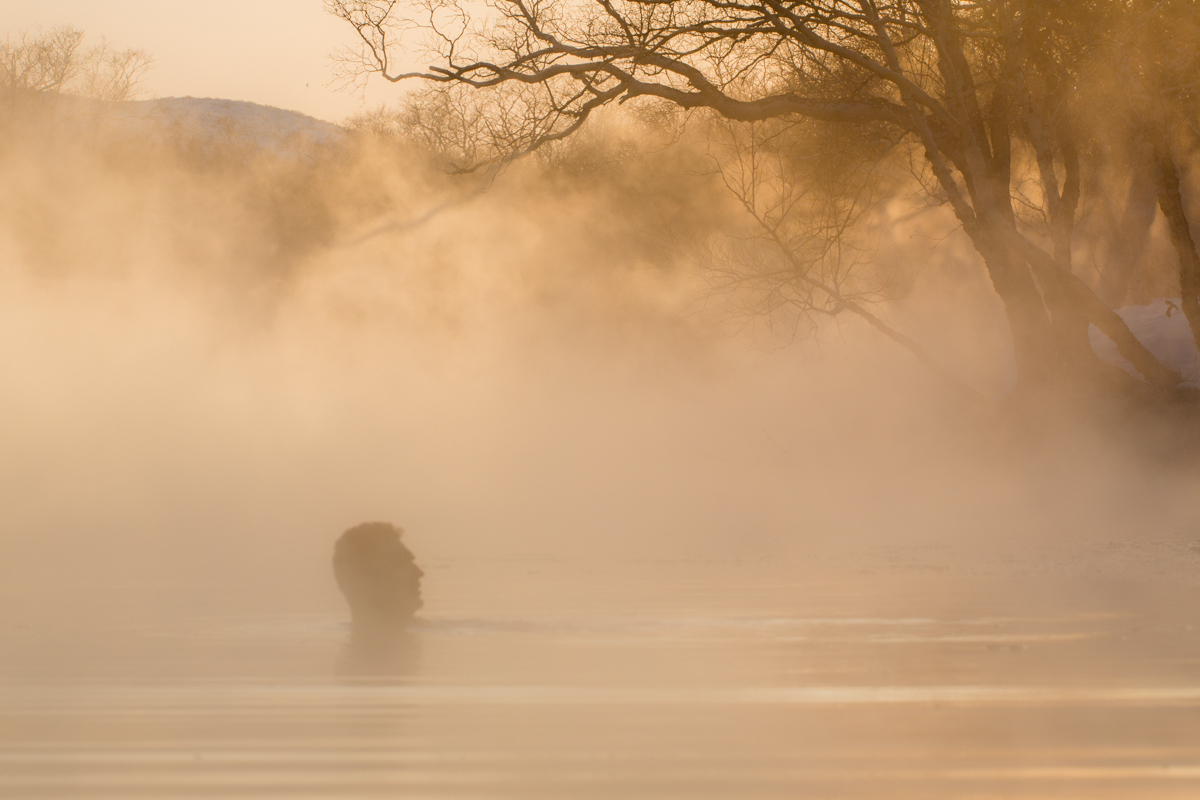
{"points": [[378, 576]]}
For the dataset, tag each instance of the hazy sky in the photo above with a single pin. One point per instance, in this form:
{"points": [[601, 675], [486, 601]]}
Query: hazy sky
{"points": [[273, 52]]}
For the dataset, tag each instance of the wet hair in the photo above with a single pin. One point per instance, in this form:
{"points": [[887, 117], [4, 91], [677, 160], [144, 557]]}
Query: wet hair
{"points": [[378, 576]]}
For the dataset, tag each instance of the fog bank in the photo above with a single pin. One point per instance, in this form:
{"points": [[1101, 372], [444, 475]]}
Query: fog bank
{"points": [[216, 359]]}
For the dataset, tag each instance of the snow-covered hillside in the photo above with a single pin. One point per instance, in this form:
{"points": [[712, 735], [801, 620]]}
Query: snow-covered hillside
{"points": [[190, 119], [225, 121]]}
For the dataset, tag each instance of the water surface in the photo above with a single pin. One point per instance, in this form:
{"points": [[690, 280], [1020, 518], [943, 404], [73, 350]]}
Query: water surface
{"points": [[910, 677]]}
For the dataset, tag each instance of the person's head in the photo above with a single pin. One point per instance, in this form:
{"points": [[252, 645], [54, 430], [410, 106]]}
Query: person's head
{"points": [[378, 576]]}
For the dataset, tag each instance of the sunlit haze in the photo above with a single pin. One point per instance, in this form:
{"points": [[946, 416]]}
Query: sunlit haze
{"points": [[659, 401]]}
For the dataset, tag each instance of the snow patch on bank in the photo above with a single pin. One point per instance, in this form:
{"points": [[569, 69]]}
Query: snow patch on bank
{"points": [[1162, 327]]}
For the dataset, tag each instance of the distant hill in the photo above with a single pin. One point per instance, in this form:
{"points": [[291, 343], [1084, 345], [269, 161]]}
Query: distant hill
{"points": [[228, 121], [193, 120]]}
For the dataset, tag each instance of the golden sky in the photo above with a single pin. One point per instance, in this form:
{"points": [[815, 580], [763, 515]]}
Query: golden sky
{"points": [[273, 52]]}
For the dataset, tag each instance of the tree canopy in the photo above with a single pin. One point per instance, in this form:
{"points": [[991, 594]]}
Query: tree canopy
{"points": [[1016, 109]]}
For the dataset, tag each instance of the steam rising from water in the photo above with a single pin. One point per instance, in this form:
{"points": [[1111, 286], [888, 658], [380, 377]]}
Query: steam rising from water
{"points": [[656, 550], [210, 373]]}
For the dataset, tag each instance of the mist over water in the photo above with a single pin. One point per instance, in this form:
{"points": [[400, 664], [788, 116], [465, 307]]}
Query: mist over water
{"points": [[735, 567]]}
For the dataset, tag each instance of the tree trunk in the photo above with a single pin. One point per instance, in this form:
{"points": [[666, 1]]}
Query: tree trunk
{"points": [[1033, 336], [1131, 234], [1071, 322], [1092, 308], [1170, 200]]}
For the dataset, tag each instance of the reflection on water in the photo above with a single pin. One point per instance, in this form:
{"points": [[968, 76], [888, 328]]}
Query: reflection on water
{"points": [[366, 655], [685, 683]]}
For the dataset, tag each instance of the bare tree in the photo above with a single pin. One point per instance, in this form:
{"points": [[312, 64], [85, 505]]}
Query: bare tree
{"points": [[980, 88], [42, 63], [56, 62], [1157, 84], [113, 75], [810, 256]]}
